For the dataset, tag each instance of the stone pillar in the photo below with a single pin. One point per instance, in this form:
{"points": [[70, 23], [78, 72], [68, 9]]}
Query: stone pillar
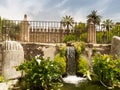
{"points": [[91, 33], [13, 55], [25, 27]]}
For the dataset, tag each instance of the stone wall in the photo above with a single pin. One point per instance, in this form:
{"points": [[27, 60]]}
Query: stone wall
{"points": [[115, 48], [49, 50], [13, 55], [34, 49]]}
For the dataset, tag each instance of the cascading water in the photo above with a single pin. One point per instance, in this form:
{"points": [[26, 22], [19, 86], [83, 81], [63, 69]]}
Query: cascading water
{"points": [[71, 67], [71, 63]]}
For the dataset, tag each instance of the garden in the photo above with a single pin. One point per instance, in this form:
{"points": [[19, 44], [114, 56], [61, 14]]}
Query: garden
{"points": [[97, 71], [44, 74]]}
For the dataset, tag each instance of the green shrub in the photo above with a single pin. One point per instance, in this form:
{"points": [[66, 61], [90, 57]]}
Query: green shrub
{"points": [[1, 78], [79, 47], [83, 66], [62, 50], [106, 70], [41, 74], [61, 60], [83, 37], [69, 38]]}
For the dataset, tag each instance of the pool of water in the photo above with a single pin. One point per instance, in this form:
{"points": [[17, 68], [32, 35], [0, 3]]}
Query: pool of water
{"points": [[84, 86]]}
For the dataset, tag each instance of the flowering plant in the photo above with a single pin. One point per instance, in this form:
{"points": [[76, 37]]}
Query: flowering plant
{"points": [[41, 74]]}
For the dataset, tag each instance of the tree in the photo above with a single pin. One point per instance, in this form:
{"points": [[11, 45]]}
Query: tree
{"points": [[10, 28], [94, 17], [80, 29], [107, 24], [67, 22]]}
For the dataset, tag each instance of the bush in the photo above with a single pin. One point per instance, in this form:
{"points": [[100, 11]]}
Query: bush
{"points": [[41, 74], [83, 66], [106, 70], [79, 47], [1, 78], [61, 60], [62, 50], [83, 37], [69, 38]]}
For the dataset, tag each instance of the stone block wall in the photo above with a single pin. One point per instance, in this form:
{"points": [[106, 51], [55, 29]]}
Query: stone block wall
{"points": [[13, 55], [115, 48], [34, 49], [48, 50]]}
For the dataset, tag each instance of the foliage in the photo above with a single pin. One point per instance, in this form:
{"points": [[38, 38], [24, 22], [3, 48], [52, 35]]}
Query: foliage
{"points": [[69, 38], [60, 57], [109, 35], [106, 70], [79, 47], [107, 24], [83, 37], [1, 78], [61, 60], [116, 30], [99, 36], [62, 50], [82, 65], [11, 28], [79, 28], [41, 74], [67, 22], [94, 17]]}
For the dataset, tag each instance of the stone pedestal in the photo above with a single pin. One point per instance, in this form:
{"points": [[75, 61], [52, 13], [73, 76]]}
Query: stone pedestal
{"points": [[13, 55]]}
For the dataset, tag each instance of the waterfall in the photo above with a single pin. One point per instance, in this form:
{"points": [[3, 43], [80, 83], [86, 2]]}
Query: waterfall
{"points": [[71, 67], [71, 62]]}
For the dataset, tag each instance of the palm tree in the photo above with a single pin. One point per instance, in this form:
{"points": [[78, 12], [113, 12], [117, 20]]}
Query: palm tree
{"points": [[67, 22], [94, 17], [107, 24]]}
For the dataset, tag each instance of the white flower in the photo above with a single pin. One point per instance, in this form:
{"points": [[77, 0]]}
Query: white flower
{"points": [[38, 60], [51, 65]]}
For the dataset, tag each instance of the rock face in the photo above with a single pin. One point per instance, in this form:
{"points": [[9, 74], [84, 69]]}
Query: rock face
{"points": [[13, 55], [115, 48], [49, 52]]}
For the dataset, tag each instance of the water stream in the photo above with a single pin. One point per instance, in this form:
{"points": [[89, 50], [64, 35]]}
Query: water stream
{"points": [[71, 63], [72, 82], [71, 67]]}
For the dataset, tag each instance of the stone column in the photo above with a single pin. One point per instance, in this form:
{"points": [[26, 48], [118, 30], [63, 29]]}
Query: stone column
{"points": [[91, 33], [13, 55], [25, 27]]}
